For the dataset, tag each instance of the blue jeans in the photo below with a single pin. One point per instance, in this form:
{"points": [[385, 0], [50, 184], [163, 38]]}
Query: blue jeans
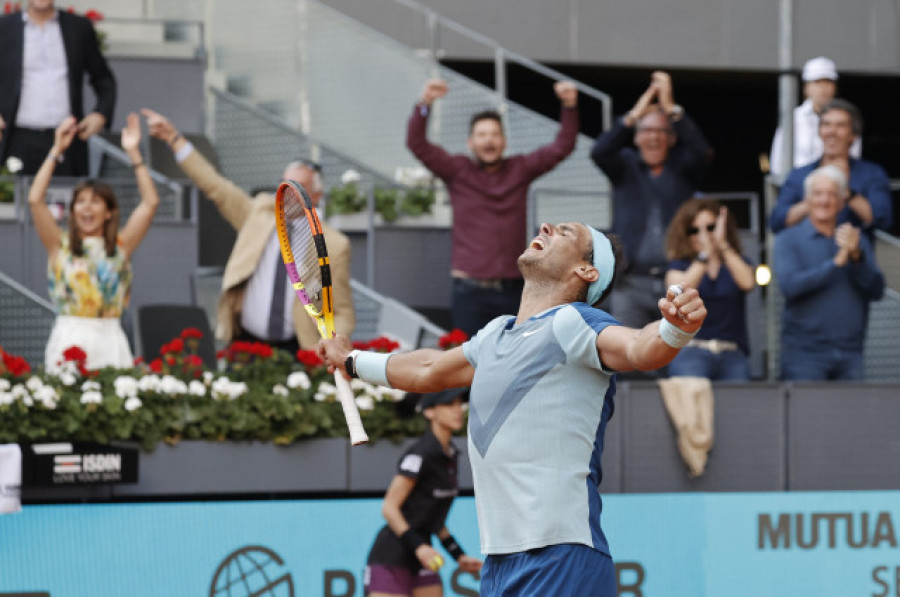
{"points": [[728, 365], [474, 307], [821, 365]]}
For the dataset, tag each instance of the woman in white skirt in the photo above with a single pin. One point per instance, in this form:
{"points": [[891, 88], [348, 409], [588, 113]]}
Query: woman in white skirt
{"points": [[88, 267]]}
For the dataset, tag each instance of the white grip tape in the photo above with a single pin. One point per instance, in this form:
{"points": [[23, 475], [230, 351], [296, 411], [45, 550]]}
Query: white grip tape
{"points": [[351, 412]]}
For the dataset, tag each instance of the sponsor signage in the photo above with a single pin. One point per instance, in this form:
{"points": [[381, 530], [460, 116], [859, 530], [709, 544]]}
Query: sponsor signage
{"points": [[828, 544], [77, 463]]}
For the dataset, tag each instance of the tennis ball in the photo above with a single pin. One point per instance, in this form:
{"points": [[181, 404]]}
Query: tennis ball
{"points": [[436, 563]]}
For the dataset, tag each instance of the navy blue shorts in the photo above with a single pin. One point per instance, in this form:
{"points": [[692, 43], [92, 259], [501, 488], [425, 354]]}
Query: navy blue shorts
{"points": [[567, 570]]}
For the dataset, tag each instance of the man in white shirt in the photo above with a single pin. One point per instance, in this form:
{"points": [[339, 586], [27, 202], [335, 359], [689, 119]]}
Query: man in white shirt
{"points": [[45, 55], [819, 87]]}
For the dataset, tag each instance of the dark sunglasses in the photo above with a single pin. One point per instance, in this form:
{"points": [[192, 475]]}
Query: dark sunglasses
{"points": [[692, 230], [309, 164]]}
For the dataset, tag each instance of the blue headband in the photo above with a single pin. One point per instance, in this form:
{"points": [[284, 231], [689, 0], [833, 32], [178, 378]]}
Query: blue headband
{"points": [[605, 262]]}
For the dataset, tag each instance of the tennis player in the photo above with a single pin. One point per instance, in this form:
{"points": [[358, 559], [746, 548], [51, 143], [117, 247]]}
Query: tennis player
{"points": [[542, 386], [402, 560]]}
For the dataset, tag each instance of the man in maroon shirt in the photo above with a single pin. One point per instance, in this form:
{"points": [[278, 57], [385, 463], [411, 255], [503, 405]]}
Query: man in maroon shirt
{"points": [[488, 193]]}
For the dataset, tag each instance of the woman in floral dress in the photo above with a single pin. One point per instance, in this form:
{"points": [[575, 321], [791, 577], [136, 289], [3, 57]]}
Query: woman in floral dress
{"points": [[88, 266]]}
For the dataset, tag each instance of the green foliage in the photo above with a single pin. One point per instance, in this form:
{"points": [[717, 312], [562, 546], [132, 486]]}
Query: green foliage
{"points": [[345, 199]]}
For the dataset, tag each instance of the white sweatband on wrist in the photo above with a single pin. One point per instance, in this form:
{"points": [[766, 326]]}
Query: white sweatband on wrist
{"points": [[674, 336], [372, 367], [186, 150]]}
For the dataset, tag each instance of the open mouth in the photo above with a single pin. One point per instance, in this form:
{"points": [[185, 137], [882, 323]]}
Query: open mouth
{"points": [[537, 244]]}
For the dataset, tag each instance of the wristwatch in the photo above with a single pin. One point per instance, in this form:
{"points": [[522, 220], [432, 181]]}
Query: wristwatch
{"points": [[350, 364], [702, 257], [676, 112]]}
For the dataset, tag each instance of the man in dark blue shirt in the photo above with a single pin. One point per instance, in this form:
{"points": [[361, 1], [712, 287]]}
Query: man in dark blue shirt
{"points": [[828, 275], [650, 183], [869, 204]]}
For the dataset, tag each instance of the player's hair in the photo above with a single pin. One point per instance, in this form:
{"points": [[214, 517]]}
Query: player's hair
{"points": [[110, 226], [678, 240], [589, 257], [830, 172], [856, 119], [485, 115]]}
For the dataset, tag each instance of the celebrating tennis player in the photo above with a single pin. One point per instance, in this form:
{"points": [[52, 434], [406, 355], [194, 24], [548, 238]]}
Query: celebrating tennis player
{"points": [[402, 561], [542, 392]]}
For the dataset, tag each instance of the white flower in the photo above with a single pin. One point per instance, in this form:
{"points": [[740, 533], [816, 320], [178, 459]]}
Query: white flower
{"points": [[34, 383], [4, 385], [384, 393], [6, 398], [320, 397], [20, 392], [149, 383], [133, 403], [349, 176], [327, 388], [47, 396], [197, 388], [414, 176], [365, 403], [223, 388], [13, 164], [90, 386], [280, 390], [356, 384], [126, 386], [91, 397], [172, 386], [67, 378], [208, 377], [298, 379]]}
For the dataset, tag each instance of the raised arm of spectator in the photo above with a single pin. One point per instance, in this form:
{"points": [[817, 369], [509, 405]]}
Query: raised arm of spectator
{"points": [[231, 201], [44, 223], [547, 157], [693, 153], [434, 157], [857, 254], [139, 222], [605, 153]]}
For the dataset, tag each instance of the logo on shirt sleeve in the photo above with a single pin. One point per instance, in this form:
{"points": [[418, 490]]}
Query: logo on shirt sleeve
{"points": [[411, 463]]}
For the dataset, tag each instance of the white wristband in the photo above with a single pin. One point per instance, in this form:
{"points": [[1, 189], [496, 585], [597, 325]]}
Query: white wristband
{"points": [[674, 336], [372, 367]]}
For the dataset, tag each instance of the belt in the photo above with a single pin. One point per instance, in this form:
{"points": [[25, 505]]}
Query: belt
{"points": [[498, 284], [713, 346], [31, 129]]}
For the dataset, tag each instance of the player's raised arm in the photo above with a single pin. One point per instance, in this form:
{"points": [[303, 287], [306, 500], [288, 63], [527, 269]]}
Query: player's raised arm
{"points": [[423, 370]]}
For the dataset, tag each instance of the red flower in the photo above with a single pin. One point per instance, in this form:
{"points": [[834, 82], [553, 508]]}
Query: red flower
{"points": [[156, 365], [75, 354], [176, 345], [94, 15], [71, 10], [309, 358], [452, 339], [138, 360], [191, 333], [14, 365]]}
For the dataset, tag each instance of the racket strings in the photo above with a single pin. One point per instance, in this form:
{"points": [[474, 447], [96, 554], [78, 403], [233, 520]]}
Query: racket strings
{"points": [[303, 246]]}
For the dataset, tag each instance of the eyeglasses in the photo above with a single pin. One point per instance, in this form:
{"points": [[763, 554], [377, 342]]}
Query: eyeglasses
{"points": [[692, 230], [309, 164]]}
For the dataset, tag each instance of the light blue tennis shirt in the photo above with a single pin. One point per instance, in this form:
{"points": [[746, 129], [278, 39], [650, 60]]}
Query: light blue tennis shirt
{"points": [[538, 409]]}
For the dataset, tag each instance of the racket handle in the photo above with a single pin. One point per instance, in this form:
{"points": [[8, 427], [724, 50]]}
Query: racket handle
{"points": [[351, 412]]}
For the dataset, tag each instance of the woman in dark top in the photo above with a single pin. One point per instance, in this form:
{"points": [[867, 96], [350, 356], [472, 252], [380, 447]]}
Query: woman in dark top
{"points": [[704, 252], [402, 561]]}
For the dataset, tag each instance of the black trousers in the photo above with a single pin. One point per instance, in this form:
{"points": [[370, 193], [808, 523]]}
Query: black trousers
{"points": [[32, 146]]}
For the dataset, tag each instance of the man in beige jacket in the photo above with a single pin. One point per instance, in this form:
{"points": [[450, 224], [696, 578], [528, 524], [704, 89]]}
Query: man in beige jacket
{"points": [[251, 305]]}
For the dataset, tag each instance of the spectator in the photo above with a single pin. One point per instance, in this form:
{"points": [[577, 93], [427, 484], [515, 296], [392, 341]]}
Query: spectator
{"points": [[543, 387], [44, 57], [258, 302], [705, 252], [828, 275], [819, 86], [869, 203], [649, 184], [89, 266], [402, 560], [489, 195]]}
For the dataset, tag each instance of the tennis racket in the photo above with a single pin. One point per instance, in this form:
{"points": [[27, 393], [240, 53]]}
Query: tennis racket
{"points": [[306, 260]]}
